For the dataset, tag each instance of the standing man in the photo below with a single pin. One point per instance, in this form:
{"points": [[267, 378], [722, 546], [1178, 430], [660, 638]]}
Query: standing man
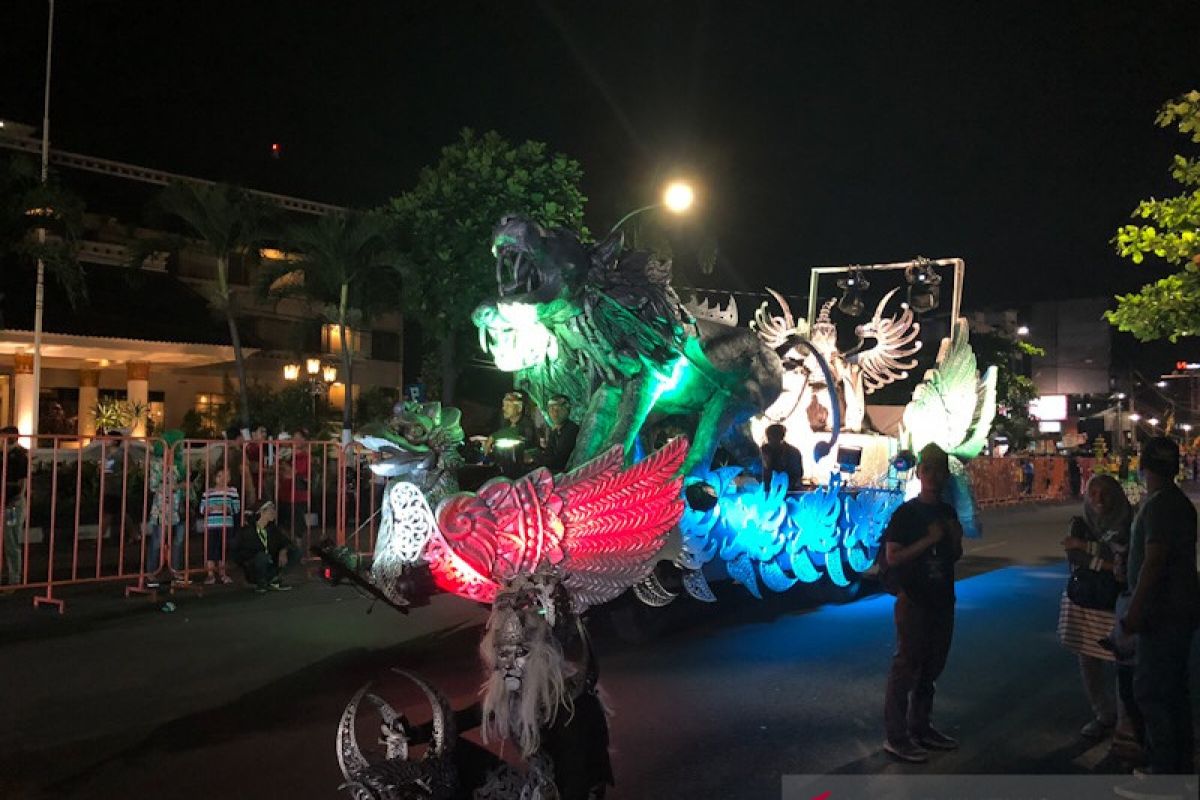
{"points": [[16, 469], [1164, 610], [922, 542], [295, 478], [560, 440], [779, 456]]}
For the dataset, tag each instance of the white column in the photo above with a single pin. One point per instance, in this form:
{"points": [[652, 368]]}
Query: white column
{"points": [[89, 393], [137, 391], [25, 399]]}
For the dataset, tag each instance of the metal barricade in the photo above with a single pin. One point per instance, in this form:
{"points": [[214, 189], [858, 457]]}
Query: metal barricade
{"points": [[74, 492], [135, 510]]}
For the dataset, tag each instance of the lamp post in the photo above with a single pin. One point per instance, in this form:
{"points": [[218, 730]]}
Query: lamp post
{"points": [[318, 377], [40, 291], [677, 197]]}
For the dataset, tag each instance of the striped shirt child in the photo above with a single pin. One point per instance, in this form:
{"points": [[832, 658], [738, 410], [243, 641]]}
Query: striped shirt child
{"points": [[220, 508]]}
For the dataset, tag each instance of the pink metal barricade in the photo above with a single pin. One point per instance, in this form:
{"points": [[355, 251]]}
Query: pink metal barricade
{"points": [[70, 492], [140, 499]]}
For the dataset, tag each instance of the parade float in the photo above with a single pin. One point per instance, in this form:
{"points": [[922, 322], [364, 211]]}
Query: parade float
{"points": [[659, 386], [604, 327]]}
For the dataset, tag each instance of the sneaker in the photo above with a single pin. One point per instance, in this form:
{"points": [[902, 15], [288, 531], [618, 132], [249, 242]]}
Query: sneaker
{"points": [[276, 586], [1146, 786], [1096, 729], [933, 739], [260, 590], [225, 579], [906, 751], [152, 582]]}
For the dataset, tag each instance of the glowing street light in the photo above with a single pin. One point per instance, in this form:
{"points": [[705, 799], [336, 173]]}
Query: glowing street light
{"points": [[1153, 422], [1023, 330], [678, 197], [1185, 427], [1134, 417]]}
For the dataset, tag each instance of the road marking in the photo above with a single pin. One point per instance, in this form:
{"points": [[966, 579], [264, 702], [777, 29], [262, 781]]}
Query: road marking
{"points": [[991, 546]]}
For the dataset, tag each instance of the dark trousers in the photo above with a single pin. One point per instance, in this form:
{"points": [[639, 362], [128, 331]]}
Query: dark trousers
{"points": [[923, 636], [1129, 700], [1160, 684], [264, 567]]}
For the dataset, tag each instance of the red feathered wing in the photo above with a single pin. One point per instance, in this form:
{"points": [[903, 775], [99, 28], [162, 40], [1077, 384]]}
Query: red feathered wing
{"points": [[599, 525]]}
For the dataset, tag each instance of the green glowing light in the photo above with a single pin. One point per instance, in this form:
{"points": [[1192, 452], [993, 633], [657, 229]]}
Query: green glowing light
{"points": [[506, 444]]}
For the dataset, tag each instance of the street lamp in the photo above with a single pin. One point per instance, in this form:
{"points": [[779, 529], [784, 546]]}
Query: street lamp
{"points": [[318, 378], [1134, 416], [1023, 330], [1152, 422], [677, 197]]}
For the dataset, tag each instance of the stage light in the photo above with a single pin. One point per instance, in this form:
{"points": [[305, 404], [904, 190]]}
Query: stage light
{"points": [[924, 286], [853, 286]]}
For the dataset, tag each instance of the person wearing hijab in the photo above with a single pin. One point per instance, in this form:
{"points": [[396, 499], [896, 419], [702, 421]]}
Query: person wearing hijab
{"points": [[1094, 543]]}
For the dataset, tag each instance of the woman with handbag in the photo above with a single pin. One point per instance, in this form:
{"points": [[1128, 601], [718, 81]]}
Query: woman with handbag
{"points": [[1086, 611]]}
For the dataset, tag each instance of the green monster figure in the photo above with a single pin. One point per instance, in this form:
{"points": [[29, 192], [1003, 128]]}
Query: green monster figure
{"points": [[606, 329]]}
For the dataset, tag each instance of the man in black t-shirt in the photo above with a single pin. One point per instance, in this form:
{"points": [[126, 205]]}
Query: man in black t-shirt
{"points": [[922, 542], [560, 439], [779, 456], [1164, 610]]}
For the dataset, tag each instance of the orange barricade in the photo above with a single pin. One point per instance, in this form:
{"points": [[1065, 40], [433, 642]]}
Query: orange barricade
{"points": [[129, 509], [1001, 480]]}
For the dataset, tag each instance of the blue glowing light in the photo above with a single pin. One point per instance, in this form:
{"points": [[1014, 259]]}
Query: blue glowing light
{"points": [[763, 533]]}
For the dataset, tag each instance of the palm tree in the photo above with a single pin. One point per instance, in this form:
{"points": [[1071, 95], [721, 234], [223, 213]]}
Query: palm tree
{"points": [[349, 272], [228, 221], [27, 204]]}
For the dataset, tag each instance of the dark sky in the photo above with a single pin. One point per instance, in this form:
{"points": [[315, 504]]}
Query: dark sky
{"points": [[1015, 134]]}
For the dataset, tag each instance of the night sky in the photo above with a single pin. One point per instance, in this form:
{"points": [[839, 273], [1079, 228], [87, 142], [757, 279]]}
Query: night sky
{"points": [[1017, 134]]}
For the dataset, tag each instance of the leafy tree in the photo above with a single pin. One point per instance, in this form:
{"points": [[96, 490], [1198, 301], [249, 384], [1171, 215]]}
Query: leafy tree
{"points": [[227, 221], [349, 272], [26, 205], [284, 409], [447, 219], [1014, 389], [375, 404], [1170, 307]]}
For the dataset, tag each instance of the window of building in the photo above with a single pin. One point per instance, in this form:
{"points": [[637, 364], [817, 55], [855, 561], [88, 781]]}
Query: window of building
{"points": [[331, 339], [211, 409], [385, 346]]}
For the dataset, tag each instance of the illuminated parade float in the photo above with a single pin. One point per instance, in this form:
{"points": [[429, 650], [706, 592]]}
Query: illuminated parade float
{"points": [[658, 388]]}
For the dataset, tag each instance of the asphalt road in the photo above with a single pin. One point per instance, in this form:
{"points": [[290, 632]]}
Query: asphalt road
{"points": [[237, 695]]}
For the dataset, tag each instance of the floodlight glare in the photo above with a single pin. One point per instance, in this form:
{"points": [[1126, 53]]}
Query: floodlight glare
{"points": [[678, 197]]}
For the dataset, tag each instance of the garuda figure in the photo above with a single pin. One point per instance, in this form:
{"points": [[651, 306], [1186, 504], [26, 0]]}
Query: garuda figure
{"points": [[606, 329], [541, 550], [806, 403]]}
